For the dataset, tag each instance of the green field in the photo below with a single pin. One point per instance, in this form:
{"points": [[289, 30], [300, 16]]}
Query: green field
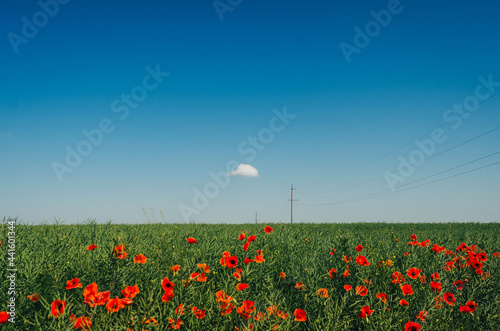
{"points": [[47, 256]]}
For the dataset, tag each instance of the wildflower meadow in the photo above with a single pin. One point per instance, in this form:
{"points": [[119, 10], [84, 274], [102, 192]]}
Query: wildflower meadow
{"points": [[360, 276]]}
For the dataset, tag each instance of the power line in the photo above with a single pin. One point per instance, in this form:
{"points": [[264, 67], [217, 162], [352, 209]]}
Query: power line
{"points": [[390, 191], [410, 164], [407, 144]]}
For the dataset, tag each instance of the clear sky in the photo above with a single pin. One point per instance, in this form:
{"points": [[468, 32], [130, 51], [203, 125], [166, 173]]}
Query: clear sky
{"points": [[109, 107]]}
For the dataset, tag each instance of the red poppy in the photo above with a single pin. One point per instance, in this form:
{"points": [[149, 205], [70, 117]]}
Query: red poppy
{"points": [[413, 237], [167, 296], [82, 323], [470, 306], [346, 273], [422, 315], [174, 323], [347, 258], [231, 261], [247, 260], [180, 309], [4, 316], [347, 287], [268, 229], [245, 246], [91, 247], [300, 286], [114, 305], [332, 273], [436, 287], [323, 292], [251, 238], [361, 260], [167, 285], [191, 240], [359, 248], [300, 315], [407, 290], [413, 273], [435, 276], [241, 286], [361, 290], [120, 252], [33, 297], [175, 268], [382, 296], [403, 302], [458, 284], [365, 312], [200, 314], [247, 308], [282, 275], [259, 258], [241, 236], [205, 267], [140, 259], [449, 298], [57, 308], [74, 283], [412, 326], [130, 291]]}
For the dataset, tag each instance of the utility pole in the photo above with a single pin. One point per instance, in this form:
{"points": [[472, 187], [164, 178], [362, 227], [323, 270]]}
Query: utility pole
{"points": [[255, 217], [291, 205]]}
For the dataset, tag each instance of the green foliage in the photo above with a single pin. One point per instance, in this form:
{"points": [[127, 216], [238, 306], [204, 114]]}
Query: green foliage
{"points": [[47, 256]]}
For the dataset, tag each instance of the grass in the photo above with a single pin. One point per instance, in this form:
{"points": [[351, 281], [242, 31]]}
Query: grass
{"points": [[48, 255]]}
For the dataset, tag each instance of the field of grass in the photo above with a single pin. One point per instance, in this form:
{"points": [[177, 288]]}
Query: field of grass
{"points": [[291, 263]]}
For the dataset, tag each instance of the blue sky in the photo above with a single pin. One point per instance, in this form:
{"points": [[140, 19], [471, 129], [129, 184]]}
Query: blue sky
{"points": [[231, 71]]}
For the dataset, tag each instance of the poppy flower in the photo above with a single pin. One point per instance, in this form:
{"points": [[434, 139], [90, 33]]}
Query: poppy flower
{"points": [[346, 273], [4, 316], [237, 274], [382, 296], [347, 287], [332, 273], [245, 246], [458, 284], [323, 292], [361, 290], [167, 285], [120, 252], [200, 314], [470, 306], [422, 279], [268, 229], [413, 237], [247, 260], [438, 302], [347, 258], [449, 298], [436, 287], [180, 309], [83, 323], [251, 238], [300, 286], [167, 296], [174, 324], [403, 302], [175, 268], [365, 312], [231, 261], [130, 291], [435, 276], [361, 260], [91, 247], [300, 315], [33, 297], [74, 283], [247, 307], [57, 308], [151, 320], [140, 259], [191, 240], [413, 273], [407, 290], [114, 305], [412, 326], [241, 236], [203, 266], [422, 315], [282, 275], [241, 286], [359, 248], [259, 259]]}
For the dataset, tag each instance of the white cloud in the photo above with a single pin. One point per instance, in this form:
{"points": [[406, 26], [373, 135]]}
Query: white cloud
{"points": [[245, 170]]}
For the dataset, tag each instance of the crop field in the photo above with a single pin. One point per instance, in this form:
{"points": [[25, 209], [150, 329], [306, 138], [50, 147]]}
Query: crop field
{"points": [[361, 276]]}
